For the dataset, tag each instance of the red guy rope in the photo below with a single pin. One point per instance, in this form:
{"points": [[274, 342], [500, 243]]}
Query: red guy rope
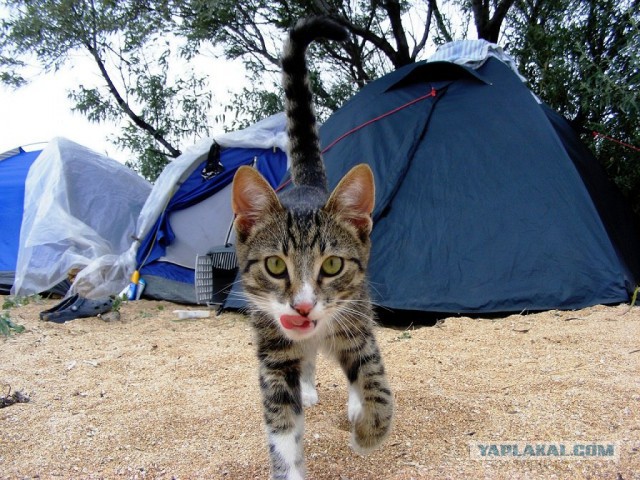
{"points": [[611, 139], [432, 93]]}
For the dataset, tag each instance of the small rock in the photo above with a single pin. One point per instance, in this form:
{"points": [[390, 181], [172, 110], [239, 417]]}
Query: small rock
{"points": [[112, 316]]}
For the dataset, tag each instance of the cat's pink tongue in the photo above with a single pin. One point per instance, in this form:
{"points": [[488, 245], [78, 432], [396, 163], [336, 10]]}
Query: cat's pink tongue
{"points": [[295, 321]]}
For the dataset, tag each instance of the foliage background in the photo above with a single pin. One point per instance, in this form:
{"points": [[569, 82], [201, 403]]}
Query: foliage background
{"points": [[580, 56]]}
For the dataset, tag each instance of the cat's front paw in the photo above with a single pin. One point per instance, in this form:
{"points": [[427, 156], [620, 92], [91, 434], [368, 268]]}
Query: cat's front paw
{"points": [[370, 431], [309, 394], [371, 420]]}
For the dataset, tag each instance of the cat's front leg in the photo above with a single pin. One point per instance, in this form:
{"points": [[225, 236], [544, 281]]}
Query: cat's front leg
{"points": [[284, 419], [370, 406], [308, 379]]}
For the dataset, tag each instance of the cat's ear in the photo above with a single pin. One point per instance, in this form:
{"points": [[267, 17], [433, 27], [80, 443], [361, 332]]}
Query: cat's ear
{"points": [[354, 198], [251, 199]]}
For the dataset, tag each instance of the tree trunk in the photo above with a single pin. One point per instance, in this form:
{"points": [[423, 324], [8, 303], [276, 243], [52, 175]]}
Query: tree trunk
{"points": [[488, 28]]}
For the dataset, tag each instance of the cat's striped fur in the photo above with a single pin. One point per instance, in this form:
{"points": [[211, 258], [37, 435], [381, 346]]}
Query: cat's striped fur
{"points": [[303, 258]]}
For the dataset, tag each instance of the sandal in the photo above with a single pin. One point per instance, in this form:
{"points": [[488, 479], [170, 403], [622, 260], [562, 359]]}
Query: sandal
{"points": [[76, 307]]}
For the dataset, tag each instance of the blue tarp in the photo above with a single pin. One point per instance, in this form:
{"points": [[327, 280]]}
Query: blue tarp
{"points": [[13, 173]]}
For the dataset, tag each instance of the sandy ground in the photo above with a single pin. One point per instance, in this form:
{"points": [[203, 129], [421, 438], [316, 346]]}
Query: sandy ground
{"points": [[149, 396]]}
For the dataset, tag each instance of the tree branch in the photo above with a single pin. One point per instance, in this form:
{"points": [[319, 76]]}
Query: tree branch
{"points": [[402, 54], [488, 27], [433, 6], [425, 34], [259, 45], [495, 23], [137, 120], [480, 16], [367, 35]]}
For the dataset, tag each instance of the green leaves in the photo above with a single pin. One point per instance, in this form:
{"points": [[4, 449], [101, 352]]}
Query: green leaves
{"points": [[7, 326], [14, 301], [581, 57]]}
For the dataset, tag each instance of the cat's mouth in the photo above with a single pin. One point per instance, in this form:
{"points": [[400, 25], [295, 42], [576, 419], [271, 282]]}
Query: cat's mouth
{"points": [[297, 322]]}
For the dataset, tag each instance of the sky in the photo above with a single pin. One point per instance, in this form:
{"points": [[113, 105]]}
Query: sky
{"points": [[40, 111]]}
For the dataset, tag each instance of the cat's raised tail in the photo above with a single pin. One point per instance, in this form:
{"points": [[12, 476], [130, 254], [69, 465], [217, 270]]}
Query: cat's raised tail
{"points": [[307, 167]]}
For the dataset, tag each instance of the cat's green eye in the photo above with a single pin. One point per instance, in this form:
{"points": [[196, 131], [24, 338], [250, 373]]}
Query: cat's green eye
{"points": [[275, 266], [332, 266]]}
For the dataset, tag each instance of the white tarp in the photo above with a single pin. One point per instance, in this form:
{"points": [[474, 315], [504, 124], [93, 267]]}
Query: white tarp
{"points": [[79, 206]]}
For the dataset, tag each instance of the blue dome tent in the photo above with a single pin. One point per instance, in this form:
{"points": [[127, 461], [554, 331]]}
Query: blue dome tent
{"points": [[197, 218], [486, 200], [186, 215]]}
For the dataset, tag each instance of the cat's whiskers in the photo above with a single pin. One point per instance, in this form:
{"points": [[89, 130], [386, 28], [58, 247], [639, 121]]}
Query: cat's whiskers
{"points": [[256, 303], [373, 287], [351, 328]]}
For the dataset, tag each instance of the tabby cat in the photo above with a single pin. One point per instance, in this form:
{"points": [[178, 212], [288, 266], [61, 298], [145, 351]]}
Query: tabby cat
{"points": [[303, 258]]}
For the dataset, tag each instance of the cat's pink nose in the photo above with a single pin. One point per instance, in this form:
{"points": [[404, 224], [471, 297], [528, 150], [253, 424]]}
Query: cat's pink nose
{"points": [[303, 308]]}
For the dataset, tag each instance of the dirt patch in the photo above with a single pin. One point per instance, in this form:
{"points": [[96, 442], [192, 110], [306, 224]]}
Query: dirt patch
{"points": [[149, 396]]}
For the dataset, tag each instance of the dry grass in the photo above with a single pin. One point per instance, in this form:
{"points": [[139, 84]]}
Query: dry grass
{"points": [[151, 397]]}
